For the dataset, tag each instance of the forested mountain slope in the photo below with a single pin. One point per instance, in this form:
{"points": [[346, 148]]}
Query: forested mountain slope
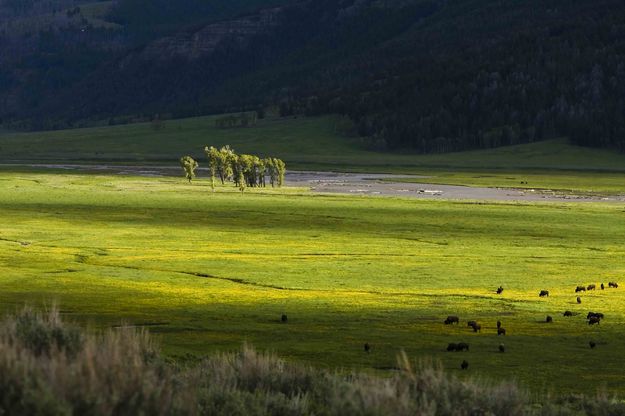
{"points": [[429, 75]]}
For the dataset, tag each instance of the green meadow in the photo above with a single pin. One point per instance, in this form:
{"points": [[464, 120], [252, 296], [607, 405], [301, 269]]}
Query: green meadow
{"points": [[207, 271]]}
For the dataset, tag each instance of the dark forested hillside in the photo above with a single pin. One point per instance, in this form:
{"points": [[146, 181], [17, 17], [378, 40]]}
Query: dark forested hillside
{"points": [[426, 75]]}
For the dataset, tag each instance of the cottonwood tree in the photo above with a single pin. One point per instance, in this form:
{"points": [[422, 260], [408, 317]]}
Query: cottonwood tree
{"points": [[226, 158], [214, 163], [189, 165]]}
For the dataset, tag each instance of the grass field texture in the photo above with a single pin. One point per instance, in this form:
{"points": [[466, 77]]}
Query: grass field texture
{"points": [[208, 271]]}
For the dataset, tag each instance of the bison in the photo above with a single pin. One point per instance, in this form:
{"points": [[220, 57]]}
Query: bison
{"points": [[594, 320], [613, 284], [579, 300], [592, 344], [567, 313], [548, 319], [602, 286], [501, 331], [502, 348], [367, 347], [452, 347], [452, 320], [462, 346], [464, 365], [477, 328], [594, 314], [500, 290], [543, 293], [580, 289], [591, 287], [284, 318]]}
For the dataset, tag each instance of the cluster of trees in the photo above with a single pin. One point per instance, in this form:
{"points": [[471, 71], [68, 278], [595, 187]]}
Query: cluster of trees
{"points": [[241, 169]]}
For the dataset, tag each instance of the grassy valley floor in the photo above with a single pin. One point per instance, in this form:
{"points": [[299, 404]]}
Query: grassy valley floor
{"points": [[207, 272]]}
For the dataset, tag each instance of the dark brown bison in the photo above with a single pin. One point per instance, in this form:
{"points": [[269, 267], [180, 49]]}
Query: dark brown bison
{"points": [[579, 300], [591, 287], [367, 347], [462, 346], [464, 365], [501, 331], [594, 320], [580, 289], [284, 318], [602, 286], [567, 313], [595, 314], [548, 319], [452, 320], [613, 284], [500, 290], [452, 346], [477, 328], [502, 348], [543, 293], [592, 344]]}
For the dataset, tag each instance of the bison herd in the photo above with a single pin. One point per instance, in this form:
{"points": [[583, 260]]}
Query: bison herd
{"points": [[593, 318]]}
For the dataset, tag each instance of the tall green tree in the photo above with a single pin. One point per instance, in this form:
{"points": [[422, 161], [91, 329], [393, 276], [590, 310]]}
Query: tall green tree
{"points": [[280, 168], [189, 165], [214, 162], [226, 160]]}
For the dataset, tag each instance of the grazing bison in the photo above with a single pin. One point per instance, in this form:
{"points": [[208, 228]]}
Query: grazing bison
{"points": [[477, 328], [284, 318], [595, 314], [471, 323], [592, 344], [591, 287], [502, 348], [498, 324], [462, 346], [567, 313], [594, 320], [500, 290], [501, 331], [367, 347], [580, 289], [452, 320], [543, 293], [613, 284], [464, 365], [549, 319], [452, 347], [579, 300], [602, 286]]}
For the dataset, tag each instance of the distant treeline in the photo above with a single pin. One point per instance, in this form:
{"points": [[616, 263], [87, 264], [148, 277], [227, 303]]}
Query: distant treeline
{"points": [[424, 75]]}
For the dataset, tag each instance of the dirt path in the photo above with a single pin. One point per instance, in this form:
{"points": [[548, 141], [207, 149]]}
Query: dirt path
{"points": [[357, 184]]}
